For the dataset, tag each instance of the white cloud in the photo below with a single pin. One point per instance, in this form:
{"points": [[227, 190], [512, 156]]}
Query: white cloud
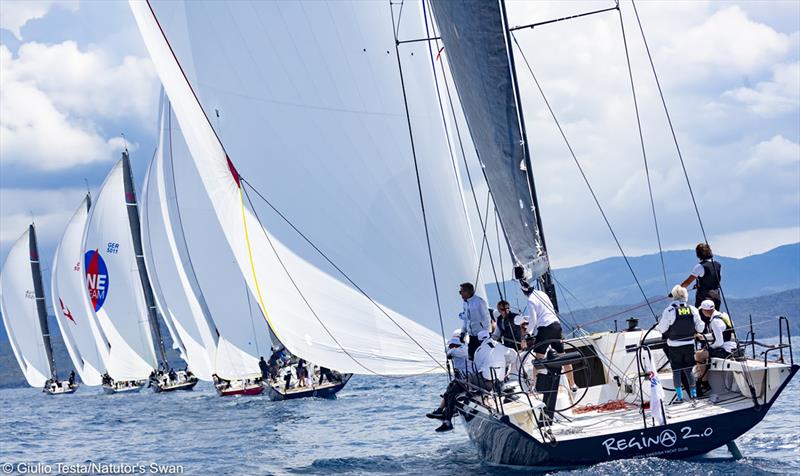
{"points": [[49, 209], [728, 44], [778, 152], [14, 14], [53, 97], [770, 98]]}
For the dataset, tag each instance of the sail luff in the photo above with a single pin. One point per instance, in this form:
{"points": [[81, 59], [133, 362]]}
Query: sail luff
{"points": [[476, 44], [41, 307], [135, 227], [545, 279]]}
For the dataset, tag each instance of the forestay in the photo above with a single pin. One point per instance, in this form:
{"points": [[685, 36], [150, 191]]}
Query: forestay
{"points": [[76, 322], [474, 35], [21, 314], [113, 284], [313, 116]]}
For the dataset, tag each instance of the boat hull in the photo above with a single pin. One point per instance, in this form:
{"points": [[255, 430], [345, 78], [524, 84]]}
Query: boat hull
{"points": [[172, 388], [61, 390], [317, 392], [243, 391], [132, 389], [500, 442]]}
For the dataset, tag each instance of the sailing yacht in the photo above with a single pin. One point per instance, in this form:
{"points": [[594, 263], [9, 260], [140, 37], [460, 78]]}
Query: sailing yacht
{"points": [[86, 345], [120, 294], [338, 192], [22, 303]]}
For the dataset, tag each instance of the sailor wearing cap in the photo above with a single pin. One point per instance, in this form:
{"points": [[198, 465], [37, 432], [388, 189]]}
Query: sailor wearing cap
{"points": [[724, 343], [457, 353]]}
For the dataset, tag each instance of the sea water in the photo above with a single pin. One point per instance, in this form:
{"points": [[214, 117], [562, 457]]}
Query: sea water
{"points": [[375, 426]]}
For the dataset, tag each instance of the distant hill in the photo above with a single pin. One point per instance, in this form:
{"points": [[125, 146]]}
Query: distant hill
{"points": [[608, 282], [763, 309]]}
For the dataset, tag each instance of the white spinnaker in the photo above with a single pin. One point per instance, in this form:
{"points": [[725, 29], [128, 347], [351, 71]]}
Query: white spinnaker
{"points": [[330, 146], [173, 292], [117, 295], [231, 313], [20, 316], [75, 320]]}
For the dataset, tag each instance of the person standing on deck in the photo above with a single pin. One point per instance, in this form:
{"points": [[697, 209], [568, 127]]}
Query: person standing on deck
{"points": [[708, 275], [545, 325], [476, 317], [682, 322]]}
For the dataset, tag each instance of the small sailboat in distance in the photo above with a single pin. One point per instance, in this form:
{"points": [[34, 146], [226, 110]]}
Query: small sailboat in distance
{"points": [[24, 312]]}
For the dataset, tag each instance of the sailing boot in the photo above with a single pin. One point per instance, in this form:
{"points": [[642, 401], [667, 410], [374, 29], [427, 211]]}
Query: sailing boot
{"points": [[437, 414], [693, 392], [678, 395], [447, 425]]}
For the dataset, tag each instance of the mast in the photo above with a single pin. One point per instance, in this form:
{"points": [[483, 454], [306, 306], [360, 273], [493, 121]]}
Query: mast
{"points": [[41, 308], [133, 218], [545, 281]]}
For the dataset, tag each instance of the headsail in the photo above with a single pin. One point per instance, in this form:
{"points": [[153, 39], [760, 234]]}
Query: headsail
{"points": [[24, 313], [113, 283], [475, 38], [77, 323], [331, 147], [182, 308]]}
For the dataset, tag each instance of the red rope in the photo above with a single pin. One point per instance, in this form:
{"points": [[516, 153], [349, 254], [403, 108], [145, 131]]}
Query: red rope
{"points": [[610, 406]]}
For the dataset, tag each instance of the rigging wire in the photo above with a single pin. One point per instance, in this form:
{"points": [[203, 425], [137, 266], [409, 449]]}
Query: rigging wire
{"points": [[641, 142], [675, 141], [483, 219], [583, 174], [419, 185]]}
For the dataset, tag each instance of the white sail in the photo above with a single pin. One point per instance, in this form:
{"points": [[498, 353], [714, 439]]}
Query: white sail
{"points": [[231, 313], [330, 147], [113, 284], [20, 315], [173, 290], [75, 320]]}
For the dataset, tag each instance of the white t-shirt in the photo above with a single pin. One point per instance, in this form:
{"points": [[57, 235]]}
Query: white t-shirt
{"points": [[718, 327], [491, 355], [539, 311], [698, 270]]}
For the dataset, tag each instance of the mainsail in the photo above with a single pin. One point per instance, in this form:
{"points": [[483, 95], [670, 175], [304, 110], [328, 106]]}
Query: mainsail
{"points": [[175, 290], [85, 345], [24, 312], [113, 283], [481, 62], [329, 147]]}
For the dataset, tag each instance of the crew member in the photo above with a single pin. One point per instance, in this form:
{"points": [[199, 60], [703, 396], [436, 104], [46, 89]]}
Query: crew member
{"points": [[708, 275], [724, 343], [544, 324], [682, 321], [262, 364], [507, 331], [71, 378], [490, 362], [475, 316], [457, 353]]}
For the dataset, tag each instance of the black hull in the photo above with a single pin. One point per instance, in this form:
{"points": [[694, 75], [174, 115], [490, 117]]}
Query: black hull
{"points": [[326, 392], [500, 442]]}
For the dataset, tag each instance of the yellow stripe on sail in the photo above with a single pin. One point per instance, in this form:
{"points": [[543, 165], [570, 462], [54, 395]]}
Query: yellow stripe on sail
{"points": [[253, 266]]}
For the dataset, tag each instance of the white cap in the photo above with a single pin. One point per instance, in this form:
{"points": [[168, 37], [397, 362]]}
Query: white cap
{"points": [[456, 333], [707, 305], [483, 335], [519, 320], [455, 341]]}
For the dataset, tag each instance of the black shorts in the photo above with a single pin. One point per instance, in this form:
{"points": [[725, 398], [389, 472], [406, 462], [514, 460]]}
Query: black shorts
{"points": [[549, 336]]}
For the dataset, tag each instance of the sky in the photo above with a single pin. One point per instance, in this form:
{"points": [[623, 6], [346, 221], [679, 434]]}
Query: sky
{"points": [[75, 77]]}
